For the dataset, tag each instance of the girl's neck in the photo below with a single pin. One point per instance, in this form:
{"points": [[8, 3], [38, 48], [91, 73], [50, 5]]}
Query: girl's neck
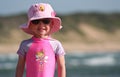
{"points": [[42, 37]]}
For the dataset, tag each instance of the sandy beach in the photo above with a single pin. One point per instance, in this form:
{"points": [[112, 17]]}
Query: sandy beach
{"points": [[70, 47], [94, 40]]}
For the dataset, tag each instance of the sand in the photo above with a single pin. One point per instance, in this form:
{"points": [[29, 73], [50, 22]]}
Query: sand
{"points": [[70, 47], [95, 40]]}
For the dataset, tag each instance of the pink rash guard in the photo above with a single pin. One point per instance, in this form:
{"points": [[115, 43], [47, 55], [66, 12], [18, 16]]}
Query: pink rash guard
{"points": [[40, 58]]}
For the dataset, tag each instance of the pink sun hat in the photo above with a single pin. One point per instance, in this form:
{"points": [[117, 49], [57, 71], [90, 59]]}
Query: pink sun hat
{"points": [[40, 11]]}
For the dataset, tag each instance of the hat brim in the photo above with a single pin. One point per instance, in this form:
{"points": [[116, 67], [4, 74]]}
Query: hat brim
{"points": [[55, 27]]}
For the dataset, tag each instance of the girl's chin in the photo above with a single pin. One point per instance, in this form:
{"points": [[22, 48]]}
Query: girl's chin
{"points": [[42, 32], [41, 35]]}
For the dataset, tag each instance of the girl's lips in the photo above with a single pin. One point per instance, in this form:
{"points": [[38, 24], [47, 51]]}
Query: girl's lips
{"points": [[41, 29]]}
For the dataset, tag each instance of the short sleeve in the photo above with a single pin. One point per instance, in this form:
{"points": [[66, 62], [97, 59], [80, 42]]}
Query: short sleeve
{"points": [[59, 49], [21, 50], [24, 47]]}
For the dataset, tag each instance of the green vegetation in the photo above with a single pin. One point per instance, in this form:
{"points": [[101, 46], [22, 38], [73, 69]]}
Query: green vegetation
{"points": [[107, 22]]}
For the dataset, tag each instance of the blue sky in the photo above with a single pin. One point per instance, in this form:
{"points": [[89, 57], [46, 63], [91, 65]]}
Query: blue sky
{"points": [[8, 7]]}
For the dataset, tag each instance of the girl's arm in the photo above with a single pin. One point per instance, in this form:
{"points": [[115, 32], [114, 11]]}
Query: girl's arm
{"points": [[20, 67], [61, 66]]}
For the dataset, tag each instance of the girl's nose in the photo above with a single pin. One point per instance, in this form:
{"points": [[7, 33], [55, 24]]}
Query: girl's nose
{"points": [[40, 25]]}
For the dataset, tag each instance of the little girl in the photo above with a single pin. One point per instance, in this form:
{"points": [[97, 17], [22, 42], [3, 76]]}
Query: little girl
{"points": [[41, 52]]}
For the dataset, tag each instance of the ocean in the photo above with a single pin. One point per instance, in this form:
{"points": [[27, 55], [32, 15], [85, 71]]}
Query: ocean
{"points": [[100, 64]]}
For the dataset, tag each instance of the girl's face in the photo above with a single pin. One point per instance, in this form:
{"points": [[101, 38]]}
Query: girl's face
{"points": [[40, 28]]}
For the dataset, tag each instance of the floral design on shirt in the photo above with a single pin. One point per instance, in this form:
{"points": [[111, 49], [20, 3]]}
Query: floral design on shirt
{"points": [[41, 58]]}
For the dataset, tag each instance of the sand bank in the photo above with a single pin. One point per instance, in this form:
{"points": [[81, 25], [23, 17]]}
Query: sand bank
{"points": [[70, 47]]}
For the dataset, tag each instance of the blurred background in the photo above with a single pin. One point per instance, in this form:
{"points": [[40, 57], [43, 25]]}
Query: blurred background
{"points": [[90, 35]]}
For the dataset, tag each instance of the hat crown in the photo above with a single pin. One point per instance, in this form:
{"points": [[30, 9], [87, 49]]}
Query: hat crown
{"points": [[42, 10]]}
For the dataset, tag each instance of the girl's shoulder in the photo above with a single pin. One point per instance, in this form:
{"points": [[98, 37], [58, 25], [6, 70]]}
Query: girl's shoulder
{"points": [[57, 47], [55, 41], [26, 41]]}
